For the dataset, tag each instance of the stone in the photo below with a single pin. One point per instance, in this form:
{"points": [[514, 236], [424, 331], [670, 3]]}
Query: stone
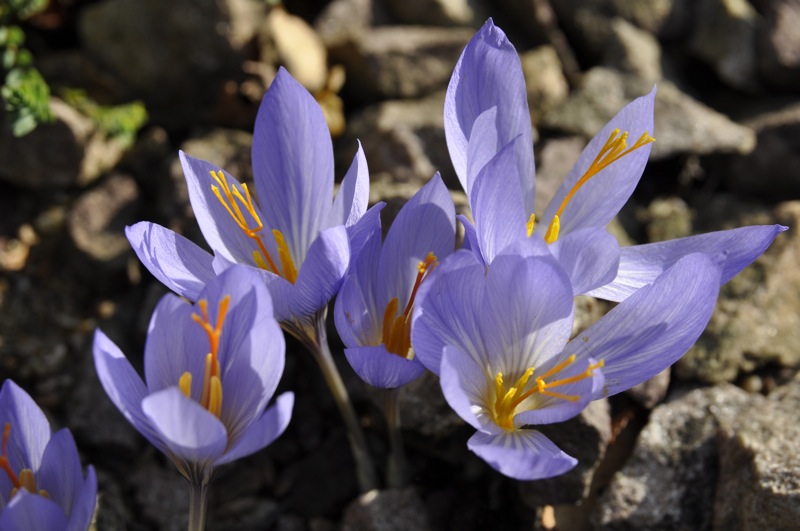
{"points": [[177, 55], [387, 510], [439, 12], [288, 40], [779, 44], [667, 219], [424, 410], [756, 321], [554, 159], [162, 496], [585, 438], [669, 481], [391, 62], [724, 37], [651, 392], [342, 21], [544, 80], [71, 151], [682, 124], [759, 470], [633, 51]]}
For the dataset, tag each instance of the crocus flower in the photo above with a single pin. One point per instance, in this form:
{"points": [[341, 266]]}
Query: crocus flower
{"points": [[489, 137], [498, 338], [210, 369], [42, 486], [295, 236], [373, 308]]}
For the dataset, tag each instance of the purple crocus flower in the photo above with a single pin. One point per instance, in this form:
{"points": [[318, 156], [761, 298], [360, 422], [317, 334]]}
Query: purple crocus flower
{"points": [[294, 235], [488, 130], [42, 486], [498, 338], [210, 369], [373, 308]]}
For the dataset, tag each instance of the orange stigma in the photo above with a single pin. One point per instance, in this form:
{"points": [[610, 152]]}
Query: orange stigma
{"points": [[211, 395], [614, 149], [233, 201], [397, 328], [506, 400]]}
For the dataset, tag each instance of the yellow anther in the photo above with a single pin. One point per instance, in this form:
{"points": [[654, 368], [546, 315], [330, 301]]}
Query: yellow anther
{"points": [[289, 270], [530, 225], [27, 480], [185, 384], [215, 396], [614, 149]]}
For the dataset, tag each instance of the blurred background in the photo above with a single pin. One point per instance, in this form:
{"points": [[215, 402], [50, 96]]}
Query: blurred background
{"points": [[99, 96]]}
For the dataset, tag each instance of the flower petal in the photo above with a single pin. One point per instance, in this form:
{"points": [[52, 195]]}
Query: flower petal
{"points": [[641, 264], [597, 202], [358, 233], [464, 385], [426, 224], [353, 196], [522, 454], [471, 242], [175, 344], [32, 512], [482, 146], [191, 433], [293, 163], [263, 431], [589, 256], [83, 508], [178, 263], [383, 369], [30, 430], [489, 74], [496, 204], [123, 386], [654, 327], [60, 474]]}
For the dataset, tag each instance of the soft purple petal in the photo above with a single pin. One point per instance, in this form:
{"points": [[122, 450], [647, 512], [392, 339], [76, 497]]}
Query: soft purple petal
{"points": [[123, 386], [654, 327], [489, 74], [471, 242], [31, 512], [483, 147], [219, 228], [353, 196], [178, 263], [263, 431], [191, 433], [427, 223], [465, 386], [380, 368], [641, 264], [597, 202], [83, 509], [589, 256], [61, 474], [293, 163], [30, 430], [521, 454], [358, 233], [497, 207], [358, 319]]}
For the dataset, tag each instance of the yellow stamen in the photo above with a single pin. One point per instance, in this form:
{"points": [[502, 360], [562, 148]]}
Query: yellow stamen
{"points": [[27, 480], [185, 384], [211, 395], [396, 332], [289, 270], [506, 401], [530, 224], [215, 396], [614, 149]]}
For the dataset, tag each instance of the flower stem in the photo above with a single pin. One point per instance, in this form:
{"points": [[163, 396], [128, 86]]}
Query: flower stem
{"points": [[396, 474], [315, 339], [198, 494]]}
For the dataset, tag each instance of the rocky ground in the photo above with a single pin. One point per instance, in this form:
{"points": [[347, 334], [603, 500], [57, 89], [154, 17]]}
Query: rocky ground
{"points": [[710, 444]]}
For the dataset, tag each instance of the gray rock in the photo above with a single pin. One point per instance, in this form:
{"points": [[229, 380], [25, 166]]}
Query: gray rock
{"points": [[759, 472], [756, 321], [439, 12], [554, 160], [387, 510], [544, 80], [342, 21], [725, 37], [175, 55], [669, 481], [682, 124], [771, 169], [288, 40], [779, 44], [400, 61], [651, 392], [424, 410], [633, 51], [162, 496], [585, 438], [667, 219], [71, 151]]}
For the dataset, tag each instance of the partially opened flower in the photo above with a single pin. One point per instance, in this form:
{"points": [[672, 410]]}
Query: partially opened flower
{"points": [[373, 308], [487, 125], [210, 370], [42, 486], [498, 338]]}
